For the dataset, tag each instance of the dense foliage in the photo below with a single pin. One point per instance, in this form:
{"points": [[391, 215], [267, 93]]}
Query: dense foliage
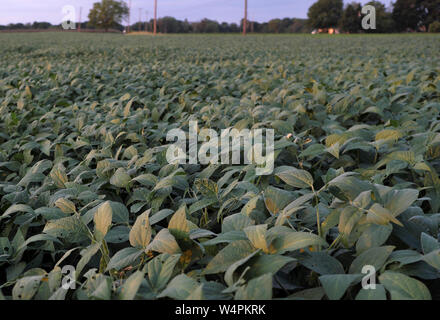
{"points": [[325, 13], [172, 25], [108, 14], [84, 180]]}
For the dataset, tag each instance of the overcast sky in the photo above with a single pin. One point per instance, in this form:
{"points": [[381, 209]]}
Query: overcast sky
{"points": [[13, 11]]}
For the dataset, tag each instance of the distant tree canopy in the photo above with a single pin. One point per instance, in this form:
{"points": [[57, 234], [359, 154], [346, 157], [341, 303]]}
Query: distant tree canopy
{"points": [[405, 15], [413, 14], [172, 25], [384, 19], [107, 14], [325, 13], [351, 18]]}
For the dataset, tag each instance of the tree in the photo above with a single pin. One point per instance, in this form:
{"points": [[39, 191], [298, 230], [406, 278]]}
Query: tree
{"points": [[414, 14], [406, 15], [434, 27], [168, 25], [351, 19], [325, 13], [384, 19], [41, 25], [274, 25], [108, 13], [432, 12]]}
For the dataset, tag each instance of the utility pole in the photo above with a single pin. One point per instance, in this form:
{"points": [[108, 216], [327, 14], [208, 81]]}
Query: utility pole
{"points": [[245, 18], [79, 26], [155, 18], [129, 12]]}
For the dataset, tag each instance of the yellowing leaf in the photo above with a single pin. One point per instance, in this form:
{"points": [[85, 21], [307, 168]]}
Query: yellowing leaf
{"points": [[140, 233], [103, 220], [65, 205]]}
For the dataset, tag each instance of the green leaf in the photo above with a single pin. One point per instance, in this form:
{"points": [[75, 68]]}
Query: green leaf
{"points": [[226, 238], [120, 178], [402, 287], [71, 229], [335, 285], [123, 258], [264, 263], [404, 257], [16, 208], [308, 294], [131, 286], [374, 236], [162, 214], [86, 256], [256, 289], [277, 199], [147, 179], [322, 263], [120, 213], [313, 150], [372, 294], [433, 259], [375, 257], [180, 288], [25, 288], [347, 187], [177, 181], [118, 234], [400, 200], [236, 222], [160, 270], [232, 253], [295, 240], [229, 274], [429, 243], [294, 177], [292, 208], [201, 204], [379, 215], [35, 174], [334, 150]]}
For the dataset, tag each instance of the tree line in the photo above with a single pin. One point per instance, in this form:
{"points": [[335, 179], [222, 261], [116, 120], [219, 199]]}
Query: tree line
{"points": [[173, 25], [403, 16]]}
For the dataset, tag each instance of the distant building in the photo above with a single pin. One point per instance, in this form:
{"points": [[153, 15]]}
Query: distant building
{"points": [[326, 30]]}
